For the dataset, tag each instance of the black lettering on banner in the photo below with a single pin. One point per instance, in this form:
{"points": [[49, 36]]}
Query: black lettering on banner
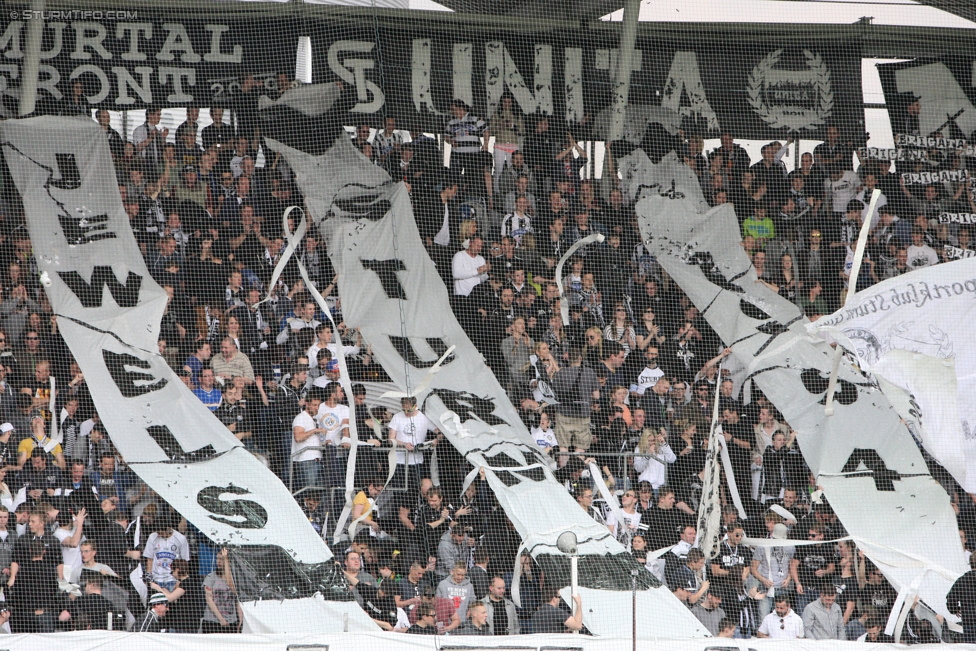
{"points": [[254, 515], [774, 329], [469, 406], [814, 382], [84, 230], [386, 271], [70, 175], [403, 346], [90, 293], [884, 477], [673, 192], [126, 380], [357, 201], [704, 261], [174, 450], [752, 311]]}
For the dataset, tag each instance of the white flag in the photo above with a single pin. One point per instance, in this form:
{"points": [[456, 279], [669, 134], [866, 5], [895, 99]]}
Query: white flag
{"points": [[914, 333]]}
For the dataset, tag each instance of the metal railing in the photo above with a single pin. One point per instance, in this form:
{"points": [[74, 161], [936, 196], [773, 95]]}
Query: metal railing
{"points": [[616, 462]]}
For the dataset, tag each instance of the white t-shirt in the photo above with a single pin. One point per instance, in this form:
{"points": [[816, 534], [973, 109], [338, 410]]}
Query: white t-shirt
{"points": [[313, 353], [70, 555], [792, 626], [632, 520], [336, 421], [842, 190], [306, 422], [410, 430], [922, 256], [163, 551], [465, 271], [544, 438], [647, 378]]}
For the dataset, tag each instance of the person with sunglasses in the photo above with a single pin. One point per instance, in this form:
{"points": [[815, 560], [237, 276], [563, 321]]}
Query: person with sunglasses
{"points": [[782, 623], [426, 623], [812, 567], [625, 531]]}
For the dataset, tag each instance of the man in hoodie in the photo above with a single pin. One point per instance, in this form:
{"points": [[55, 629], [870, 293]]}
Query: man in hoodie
{"points": [[454, 547], [457, 589]]}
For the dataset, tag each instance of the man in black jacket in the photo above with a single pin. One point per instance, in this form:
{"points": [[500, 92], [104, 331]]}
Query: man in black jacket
{"points": [[91, 610], [438, 218], [962, 601]]}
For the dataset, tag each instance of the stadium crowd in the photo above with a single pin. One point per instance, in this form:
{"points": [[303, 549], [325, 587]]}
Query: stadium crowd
{"points": [[629, 383]]}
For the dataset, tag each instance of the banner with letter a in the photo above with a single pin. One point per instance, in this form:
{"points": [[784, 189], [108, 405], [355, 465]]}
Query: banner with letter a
{"points": [[109, 311]]}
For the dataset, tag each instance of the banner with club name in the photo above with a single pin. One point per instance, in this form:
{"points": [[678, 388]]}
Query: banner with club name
{"points": [[927, 313], [412, 69], [870, 468], [131, 58], [392, 292], [109, 310], [939, 176]]}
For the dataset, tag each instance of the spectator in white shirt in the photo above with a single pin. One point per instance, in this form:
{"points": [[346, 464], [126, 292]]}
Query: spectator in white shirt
{"points": [[469, 268], [782, 623], [921, 254]]}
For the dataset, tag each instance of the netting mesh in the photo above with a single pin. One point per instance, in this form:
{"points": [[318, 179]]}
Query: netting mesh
{"points": [[453, 285]]}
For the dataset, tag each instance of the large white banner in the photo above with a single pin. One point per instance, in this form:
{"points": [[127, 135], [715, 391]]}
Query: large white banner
{"points": [[915, 333], [871, 469], [113, 640], [109, 309], [392, 292]]}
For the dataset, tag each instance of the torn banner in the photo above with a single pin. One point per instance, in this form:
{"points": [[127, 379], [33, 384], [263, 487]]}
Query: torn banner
{"points": [[392, 292], [872, 472], [109, 310], [914, 333]]}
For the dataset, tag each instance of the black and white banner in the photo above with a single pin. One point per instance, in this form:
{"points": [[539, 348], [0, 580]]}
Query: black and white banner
{"points": [[931, 102], [956, 253], [392, 292], [864, 457], [130, 59], [896, 154], [957, 218], [754, 89], [928, 178], [109, 311], [915, 332]]}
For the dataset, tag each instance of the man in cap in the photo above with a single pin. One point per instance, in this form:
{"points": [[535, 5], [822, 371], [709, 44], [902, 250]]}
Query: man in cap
{"points": [[8, 449], [158, 607]]}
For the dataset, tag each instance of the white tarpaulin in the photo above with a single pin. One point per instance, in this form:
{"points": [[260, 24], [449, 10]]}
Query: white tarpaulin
{"points": [[109, 310], [872, 471], [392, 292], [110, 641], [914, 333]]}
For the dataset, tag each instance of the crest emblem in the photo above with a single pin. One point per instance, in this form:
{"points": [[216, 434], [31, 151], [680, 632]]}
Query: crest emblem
{"points": [[798, 98]]}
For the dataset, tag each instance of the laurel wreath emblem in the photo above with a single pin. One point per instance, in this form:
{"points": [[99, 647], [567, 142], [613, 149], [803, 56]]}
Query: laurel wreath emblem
{"points": [[938, 336], [798, 118]]}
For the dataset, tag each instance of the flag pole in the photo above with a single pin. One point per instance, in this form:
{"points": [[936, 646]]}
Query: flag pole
{"points": [[862, 240]]}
